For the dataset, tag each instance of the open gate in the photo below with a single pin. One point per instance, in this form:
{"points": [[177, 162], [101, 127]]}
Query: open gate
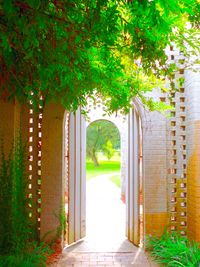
{"points": [[133, 181], [77, 178]]}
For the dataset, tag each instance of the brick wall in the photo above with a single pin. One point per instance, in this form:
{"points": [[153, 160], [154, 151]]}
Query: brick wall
{"points": [[52, 159], [7, 118], [154, 173]]}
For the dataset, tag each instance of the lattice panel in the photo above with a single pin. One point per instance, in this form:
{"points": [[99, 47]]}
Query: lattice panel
{"points": [[177, 151], [35, 161], [39, 163], [31, 158]]}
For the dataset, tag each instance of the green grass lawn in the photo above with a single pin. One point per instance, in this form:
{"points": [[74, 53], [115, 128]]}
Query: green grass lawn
{"points": [[105, 166]]}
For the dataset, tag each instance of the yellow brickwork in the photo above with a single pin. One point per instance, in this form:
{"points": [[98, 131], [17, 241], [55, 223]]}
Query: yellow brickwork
{"points": [[193, 188], [155, 223]]}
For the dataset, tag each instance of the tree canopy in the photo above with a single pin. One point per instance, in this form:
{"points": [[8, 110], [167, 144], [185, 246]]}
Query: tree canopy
{"points": [[102, 135], [66, 49]]}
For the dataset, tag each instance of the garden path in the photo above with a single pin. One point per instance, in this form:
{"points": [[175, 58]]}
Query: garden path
{"points": [[105, 244]]}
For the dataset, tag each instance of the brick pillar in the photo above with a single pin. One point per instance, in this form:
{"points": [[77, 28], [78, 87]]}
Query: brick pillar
{"points": [[192, 87], [52, 184]]}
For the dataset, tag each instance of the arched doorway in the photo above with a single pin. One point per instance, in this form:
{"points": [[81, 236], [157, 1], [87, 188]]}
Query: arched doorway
{"points": [[52, 186]]}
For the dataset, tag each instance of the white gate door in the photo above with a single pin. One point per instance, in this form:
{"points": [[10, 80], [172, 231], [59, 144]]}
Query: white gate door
{"points": [[132, 185], [77, 178]]}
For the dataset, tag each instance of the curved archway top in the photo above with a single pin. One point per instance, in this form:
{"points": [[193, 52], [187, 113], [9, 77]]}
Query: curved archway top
{"points": [[97, 113], [103, 119]]}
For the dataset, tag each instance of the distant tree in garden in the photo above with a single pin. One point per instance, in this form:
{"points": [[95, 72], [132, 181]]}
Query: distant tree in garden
{"points": [[108, 149], [102, 136], [66, 49]]}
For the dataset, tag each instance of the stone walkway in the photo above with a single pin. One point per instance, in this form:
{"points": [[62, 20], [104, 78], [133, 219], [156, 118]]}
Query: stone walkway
{"points": [[116, 259], [105, 244]]}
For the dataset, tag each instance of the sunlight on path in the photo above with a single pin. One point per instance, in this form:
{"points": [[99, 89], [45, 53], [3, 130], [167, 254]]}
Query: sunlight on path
{"points": [[105, 215]]}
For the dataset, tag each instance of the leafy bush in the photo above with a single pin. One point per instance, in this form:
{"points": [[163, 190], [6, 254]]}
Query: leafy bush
{"points": [[174, 250]]}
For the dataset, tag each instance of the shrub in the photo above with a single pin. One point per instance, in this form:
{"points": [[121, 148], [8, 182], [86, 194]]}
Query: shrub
{"points": [[174, 250]]}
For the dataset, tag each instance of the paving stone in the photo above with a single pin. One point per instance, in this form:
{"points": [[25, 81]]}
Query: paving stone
{"points": [[106, 260]]}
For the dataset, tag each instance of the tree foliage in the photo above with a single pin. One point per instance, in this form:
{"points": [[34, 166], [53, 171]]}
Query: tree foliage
{"points": [[102, 136], [108, 149], [66, 49]]}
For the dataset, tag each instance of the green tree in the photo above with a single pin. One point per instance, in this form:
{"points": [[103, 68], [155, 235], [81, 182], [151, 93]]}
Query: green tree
{"points": [[108, 149], [102, 136], [66, 49]]}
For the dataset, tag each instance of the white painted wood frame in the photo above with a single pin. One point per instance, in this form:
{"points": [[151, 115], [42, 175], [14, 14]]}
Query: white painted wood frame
{"points": [[77, 177], [133, 181]]}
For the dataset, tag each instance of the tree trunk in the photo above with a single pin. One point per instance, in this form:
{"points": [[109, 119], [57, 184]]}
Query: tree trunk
{"points": [[94, 159]]}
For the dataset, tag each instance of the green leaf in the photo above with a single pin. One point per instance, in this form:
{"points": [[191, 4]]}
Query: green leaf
{"points": [[8, 7], [34, 3]]}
